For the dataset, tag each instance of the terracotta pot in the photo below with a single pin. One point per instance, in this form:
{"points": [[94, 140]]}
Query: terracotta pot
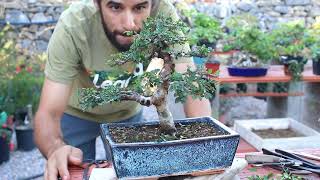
{"points": [[214, 67]]}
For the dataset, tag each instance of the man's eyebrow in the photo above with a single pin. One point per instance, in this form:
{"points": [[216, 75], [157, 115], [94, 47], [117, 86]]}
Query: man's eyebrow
{"points": [[142, 3], [113, 3]]}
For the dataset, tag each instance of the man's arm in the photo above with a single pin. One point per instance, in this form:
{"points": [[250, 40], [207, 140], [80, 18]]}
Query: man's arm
{"points": [[194, 107], [47, 130]]}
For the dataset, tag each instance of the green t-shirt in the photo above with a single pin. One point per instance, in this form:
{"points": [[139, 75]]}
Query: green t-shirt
{"points": [[77, 54]]}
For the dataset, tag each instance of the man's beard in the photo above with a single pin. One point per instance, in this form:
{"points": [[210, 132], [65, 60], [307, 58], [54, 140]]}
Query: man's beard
{"points": [[112, 37]]}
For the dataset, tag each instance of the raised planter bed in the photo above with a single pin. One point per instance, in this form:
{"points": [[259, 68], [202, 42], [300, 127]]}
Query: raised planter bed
{"points": [[305, 136]]}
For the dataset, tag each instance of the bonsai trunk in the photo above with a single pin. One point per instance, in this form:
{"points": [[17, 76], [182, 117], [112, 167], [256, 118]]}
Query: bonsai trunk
{"points": [[161, 98], [165, 117]]}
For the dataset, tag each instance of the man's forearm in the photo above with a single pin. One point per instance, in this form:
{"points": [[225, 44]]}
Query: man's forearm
{"points": [[197, 107], [47, 133]]}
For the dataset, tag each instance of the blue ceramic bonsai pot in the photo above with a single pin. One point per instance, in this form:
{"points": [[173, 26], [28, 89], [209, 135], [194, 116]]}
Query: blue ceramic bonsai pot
{"points": [[155, 159], [247, 72]]}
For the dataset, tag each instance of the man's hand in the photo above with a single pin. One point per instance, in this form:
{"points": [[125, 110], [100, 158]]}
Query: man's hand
{"points": [[57, 164]]}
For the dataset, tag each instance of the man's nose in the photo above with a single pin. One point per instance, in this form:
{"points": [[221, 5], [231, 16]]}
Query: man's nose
{"points": [[129, 22]]}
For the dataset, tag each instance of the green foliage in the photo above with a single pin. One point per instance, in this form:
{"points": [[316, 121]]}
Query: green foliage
{"points": [[289, 39], [280, 87], [8, 54], [92, 97], [158, 38], [195, 84], [253, 41], [312, 42], [158, 34], [296, 68], [285, 175], [204, 28], [21, 75], [288, 176], [265, 177], [24, 89], [244, 20]]}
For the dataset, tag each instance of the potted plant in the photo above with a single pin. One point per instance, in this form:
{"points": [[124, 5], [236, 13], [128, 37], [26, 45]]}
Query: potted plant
{"points": [[255, 50], [313, 44], [20, 86], [205, 30], [289, 40], [5, 134], [24, 92], [164, 147]]}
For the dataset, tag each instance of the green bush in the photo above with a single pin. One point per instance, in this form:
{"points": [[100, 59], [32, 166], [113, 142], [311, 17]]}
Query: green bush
{"points": [[21, 75]]}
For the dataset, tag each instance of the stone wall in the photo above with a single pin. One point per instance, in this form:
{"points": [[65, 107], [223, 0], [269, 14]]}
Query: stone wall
{"points": [[269, 12], [32, 21]]}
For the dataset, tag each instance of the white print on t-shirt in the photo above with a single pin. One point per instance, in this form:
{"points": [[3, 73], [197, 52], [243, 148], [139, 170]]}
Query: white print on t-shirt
{"points": [[121, 83]]}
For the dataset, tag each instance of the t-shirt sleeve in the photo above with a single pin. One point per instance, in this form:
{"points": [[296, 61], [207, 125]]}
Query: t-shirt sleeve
{"points": [[167, 8], [63, 62]]}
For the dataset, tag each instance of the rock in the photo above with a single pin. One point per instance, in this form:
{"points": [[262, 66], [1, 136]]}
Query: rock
{"points": [[244, 6], [32, 1], [26, 43], [273, 14], [282, 9], [299, 8], [316, 2], [33, 28], [222, 11], [16, 17], [301, 13], [297, 2], [44, 33], [25, 34], [40, 18], [310, 21], [314, 12], [41, 46], [264, 3]]}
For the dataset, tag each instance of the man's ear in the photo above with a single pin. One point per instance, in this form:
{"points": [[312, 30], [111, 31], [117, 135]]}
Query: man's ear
{"points": [[96, 4]]}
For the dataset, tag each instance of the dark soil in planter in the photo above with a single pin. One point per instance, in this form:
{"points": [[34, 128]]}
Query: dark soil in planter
{"points": [[277, 133], [151, 133]]}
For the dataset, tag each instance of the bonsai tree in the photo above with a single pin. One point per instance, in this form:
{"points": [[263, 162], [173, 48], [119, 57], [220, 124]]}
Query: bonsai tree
{"points": [[289, 40], [155, 45], [204, 29], [255, 46]]}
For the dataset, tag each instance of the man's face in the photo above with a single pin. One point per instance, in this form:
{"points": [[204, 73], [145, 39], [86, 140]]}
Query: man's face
{"points": [[119, 16]]}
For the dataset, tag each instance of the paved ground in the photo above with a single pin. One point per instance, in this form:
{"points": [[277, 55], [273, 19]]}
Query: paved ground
{"points": [[26, 164]]}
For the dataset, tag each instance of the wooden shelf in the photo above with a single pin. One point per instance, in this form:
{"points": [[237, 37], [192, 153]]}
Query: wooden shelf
{"points": [[272, 94], [274, 74]]}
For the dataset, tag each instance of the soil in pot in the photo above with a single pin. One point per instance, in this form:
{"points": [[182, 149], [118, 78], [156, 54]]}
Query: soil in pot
{"points": [[152, 133], [277, 133]]}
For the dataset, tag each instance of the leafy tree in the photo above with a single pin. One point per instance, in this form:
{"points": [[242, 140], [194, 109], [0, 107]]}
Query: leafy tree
{"points": [[155, 42]]}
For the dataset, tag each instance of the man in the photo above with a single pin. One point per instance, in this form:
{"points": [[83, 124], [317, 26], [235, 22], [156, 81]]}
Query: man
{"points": [[85, 36]]}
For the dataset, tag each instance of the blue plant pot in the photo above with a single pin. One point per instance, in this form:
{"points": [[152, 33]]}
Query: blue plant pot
{"points": [[199, 61], [155, 159], [247, 72]]}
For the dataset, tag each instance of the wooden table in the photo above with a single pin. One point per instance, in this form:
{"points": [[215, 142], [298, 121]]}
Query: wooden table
{"points": [[275, 74]]}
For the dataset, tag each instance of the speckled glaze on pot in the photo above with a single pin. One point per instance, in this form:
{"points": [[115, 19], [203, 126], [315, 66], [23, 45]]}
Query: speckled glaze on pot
{"points": [[154, 159]]}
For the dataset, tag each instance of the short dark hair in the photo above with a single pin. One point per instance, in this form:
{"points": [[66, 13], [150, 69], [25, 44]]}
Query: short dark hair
{"points": [[154, 3]]}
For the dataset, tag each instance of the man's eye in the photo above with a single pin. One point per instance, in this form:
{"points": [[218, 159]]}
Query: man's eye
{"points": [[115, 7], [140, 8]]}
